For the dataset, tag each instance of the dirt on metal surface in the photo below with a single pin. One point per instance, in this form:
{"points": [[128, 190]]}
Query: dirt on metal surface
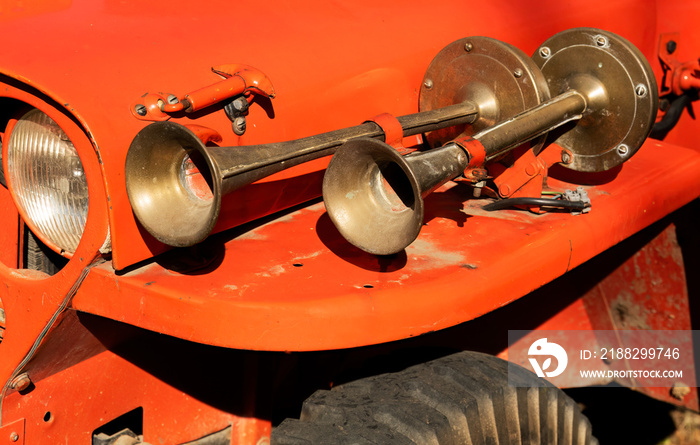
{"points": [[687, 428], [621, 415]]}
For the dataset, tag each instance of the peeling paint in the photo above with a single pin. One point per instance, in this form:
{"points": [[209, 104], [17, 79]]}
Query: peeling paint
{"points": [[309, 256], [627, 314], [274, 271], [426, 255], [400, 279], [255, 234]]}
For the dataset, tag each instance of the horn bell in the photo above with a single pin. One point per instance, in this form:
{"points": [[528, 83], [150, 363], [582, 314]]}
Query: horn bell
{"points": [[174, 186], [374, 195]]}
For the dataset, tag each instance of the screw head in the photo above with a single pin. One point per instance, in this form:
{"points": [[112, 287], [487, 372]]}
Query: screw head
{"points": [[565, 157], [468, 46], [239, 125], [14, 437], [601, 41], [545, 52], [21, 382], [641, 90], [428, 83], [172, 99], [518, 73], [622, 149], [141, 110]]}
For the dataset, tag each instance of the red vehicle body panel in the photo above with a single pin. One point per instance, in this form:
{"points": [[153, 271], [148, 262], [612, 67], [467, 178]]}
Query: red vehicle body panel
{"points": [[335, 65], [318, 292], [286, 282]]}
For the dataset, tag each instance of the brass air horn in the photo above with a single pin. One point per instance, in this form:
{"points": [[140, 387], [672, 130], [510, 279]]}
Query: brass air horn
{"points": [[374, 196], [175, 182]]}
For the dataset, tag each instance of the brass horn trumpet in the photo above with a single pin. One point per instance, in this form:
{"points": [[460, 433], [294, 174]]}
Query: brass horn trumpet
{"points": [[175, 182], [181, 209], [374, 196]]}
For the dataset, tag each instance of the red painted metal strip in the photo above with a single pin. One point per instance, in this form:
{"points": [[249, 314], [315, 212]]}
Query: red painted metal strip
{"points": [[295, 284]]}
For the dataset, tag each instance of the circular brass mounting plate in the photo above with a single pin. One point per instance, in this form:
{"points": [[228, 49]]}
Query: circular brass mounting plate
{"points": [[499, 78], [622, 102]]}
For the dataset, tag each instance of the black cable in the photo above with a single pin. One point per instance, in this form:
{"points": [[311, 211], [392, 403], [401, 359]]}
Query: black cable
{"points": [[541, 202], [672, 116]]}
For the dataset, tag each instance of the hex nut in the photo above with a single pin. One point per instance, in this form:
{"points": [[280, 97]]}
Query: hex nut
{"points": [[21, 382]]}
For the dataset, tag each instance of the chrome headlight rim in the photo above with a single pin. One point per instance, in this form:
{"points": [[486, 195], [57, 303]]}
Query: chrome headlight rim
{"points": [[95, 243], [72, 135]]}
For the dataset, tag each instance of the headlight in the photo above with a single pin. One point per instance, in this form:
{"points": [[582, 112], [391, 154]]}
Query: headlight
{"points": [[46, 178]]}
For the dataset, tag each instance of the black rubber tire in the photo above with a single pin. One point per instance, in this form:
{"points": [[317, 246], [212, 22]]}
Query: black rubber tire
{"points": [[459, 399]]}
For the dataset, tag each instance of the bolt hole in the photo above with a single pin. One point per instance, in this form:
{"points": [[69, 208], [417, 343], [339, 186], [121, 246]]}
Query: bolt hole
{"points": [[48, 416], [297, 264], [368, 286]]}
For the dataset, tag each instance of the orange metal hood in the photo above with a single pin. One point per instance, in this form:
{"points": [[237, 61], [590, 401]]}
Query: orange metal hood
{"points": [[332, 64]]}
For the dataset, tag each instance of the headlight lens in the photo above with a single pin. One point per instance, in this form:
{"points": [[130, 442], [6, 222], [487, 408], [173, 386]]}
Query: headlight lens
{"points": [[47, 180]]}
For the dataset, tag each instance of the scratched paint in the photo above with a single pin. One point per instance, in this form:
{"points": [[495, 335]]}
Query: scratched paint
{"points": [[426, 255]]}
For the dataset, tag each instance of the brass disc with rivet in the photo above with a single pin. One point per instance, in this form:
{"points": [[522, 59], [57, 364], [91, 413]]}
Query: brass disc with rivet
{"points": [[500, 78], [620, 89]]}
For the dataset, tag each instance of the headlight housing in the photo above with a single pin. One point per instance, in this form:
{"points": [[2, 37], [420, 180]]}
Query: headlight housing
{"points": [[47, 181]]}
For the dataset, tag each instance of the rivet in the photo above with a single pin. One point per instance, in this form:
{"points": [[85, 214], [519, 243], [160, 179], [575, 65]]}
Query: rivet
{"points": [[545, 52], [428, 83], [140, 110], [518, 73], [468, 46], [622, 149], [21, 382], [531, 170], [641, 90]]}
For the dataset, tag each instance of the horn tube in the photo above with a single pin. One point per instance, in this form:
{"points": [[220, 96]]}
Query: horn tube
{"points": [[374, 195], [607, 93], [175, 182]]}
